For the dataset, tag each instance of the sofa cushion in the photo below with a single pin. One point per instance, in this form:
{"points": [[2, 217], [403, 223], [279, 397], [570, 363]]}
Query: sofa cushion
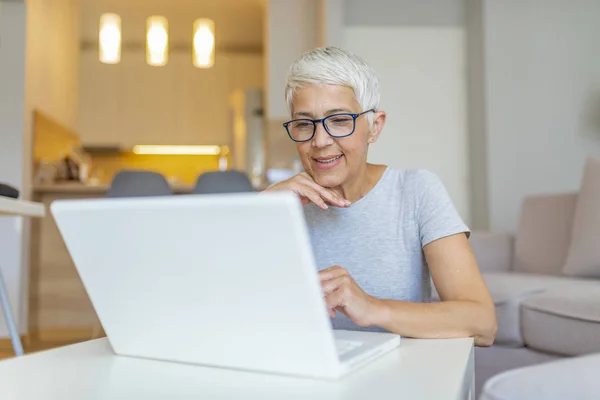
{"points": [[544, 233], [493, 251], [570, 378], [564, 320], [584, 253], [510, 289]]}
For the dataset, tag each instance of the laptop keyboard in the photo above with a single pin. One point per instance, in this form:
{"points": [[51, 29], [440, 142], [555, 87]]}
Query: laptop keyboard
{"points": [[345, 346]]}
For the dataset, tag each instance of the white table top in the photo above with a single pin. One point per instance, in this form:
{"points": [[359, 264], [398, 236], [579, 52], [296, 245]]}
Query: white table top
{"points": [[418, 369], [13, 207]]}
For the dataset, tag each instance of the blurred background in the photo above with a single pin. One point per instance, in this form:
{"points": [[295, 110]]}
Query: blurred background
{"points": [[500, 98]]}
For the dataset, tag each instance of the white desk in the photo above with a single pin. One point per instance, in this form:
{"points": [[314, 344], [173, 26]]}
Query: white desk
{"points": [[418, 369], [15, 208], [21, 208]]}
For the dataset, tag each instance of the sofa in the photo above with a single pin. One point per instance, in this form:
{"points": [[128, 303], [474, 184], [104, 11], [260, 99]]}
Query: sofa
{"points": [[545, 282]]}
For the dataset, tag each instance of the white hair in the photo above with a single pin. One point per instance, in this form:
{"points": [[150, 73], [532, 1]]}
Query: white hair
{"points": [[334, 66]]}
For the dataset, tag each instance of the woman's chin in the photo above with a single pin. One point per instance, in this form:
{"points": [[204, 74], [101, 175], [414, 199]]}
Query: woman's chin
{"points": [[328, 180]]}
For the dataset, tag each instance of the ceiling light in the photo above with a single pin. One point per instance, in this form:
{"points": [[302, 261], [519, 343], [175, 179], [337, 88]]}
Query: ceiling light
{"points": [[157, 41], [204, 43], [110, 38]]}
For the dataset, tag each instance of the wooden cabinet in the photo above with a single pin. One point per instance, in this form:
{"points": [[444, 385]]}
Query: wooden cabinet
{"points": [[202, 102], [97, 121], [134, 103]]}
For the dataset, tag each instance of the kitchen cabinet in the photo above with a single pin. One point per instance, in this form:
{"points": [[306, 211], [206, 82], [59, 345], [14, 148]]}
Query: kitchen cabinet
{"points": [[201, 107], [133, 103], [97, 121]]}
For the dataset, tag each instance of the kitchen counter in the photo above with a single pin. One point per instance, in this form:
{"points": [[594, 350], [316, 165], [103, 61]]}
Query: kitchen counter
{"points": [[100, 189]]}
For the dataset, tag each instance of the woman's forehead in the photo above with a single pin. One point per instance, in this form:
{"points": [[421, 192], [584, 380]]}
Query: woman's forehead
{"points": [[324, 97]]}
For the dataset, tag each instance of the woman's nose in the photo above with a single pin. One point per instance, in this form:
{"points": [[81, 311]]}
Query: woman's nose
{"points": [[322, 138]]}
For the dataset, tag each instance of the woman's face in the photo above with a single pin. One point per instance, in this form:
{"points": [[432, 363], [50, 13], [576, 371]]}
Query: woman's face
{"points": [[330, 161]]}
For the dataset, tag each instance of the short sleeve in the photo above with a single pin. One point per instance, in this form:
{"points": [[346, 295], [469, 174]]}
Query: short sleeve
{"points": [[437, 216]]}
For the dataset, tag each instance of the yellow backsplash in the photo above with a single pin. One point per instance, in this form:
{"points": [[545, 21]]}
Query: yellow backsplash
{"points": [[183, 168], [52, 142]]}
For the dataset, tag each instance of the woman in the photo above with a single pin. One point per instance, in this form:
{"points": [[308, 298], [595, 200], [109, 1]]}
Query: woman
{"points": [[378, 233]]}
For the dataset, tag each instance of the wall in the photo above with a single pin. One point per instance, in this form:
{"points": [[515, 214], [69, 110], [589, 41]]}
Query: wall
{"points": [[541, 65], [12, 100], [419, 52], [53, 31], [477, 115]]}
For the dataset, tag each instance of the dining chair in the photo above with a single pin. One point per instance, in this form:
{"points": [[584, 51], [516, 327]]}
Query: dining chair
{"points": [[138, 183], [223, 182]]}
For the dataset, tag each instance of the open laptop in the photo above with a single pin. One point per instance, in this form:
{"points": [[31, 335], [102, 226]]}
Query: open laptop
{"points": [[220, 280]]}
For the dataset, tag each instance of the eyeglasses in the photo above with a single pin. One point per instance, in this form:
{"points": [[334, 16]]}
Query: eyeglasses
{"points": [[336, 125]]}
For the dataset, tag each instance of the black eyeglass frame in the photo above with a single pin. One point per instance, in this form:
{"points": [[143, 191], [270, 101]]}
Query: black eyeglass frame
{"points": [[322, 121]]}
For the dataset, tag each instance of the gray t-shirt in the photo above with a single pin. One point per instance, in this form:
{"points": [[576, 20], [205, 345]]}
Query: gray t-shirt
{"points": [[379, 239]]}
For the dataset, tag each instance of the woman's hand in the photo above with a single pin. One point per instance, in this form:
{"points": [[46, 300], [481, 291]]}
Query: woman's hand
{"points": [[309, 191], [343, 294]]}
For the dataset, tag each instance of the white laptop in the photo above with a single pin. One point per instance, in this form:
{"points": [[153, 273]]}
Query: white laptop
{"points": [[217, 280]]}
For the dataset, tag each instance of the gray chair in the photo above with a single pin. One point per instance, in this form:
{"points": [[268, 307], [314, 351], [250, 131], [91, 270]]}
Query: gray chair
{"points": [[223, 182], [138, 183]]}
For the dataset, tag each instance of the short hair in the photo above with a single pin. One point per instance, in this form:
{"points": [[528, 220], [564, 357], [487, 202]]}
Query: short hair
{"points": [[335, 66]]}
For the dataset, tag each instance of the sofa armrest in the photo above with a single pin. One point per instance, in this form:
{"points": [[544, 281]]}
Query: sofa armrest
{"points": [[493, 251]]}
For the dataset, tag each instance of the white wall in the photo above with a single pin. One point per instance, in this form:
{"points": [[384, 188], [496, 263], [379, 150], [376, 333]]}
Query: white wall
{"points": [[542, 61], [423, 93], [12, 101]]}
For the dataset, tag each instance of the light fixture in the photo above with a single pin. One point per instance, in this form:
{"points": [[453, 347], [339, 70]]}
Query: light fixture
{"points": [[110, 38], [157, 41], [204, 43], [181, 150]]}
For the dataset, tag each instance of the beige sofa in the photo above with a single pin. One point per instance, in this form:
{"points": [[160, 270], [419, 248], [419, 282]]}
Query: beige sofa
{"points": [[545, 281]]}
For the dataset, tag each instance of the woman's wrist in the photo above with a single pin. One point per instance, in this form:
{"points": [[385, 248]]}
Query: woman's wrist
{"points": [[380, 314]]}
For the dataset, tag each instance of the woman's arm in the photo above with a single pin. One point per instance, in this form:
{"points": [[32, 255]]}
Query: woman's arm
{"points": [[466, 309]]}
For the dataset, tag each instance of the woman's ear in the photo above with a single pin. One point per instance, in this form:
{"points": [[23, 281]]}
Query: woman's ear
{"points": [[378, 123]]}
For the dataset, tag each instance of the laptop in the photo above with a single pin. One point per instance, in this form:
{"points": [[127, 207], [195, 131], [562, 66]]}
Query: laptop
{"points": [[222, 280]]}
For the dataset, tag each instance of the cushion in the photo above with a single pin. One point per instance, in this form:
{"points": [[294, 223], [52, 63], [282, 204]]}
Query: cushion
{"points": [[510, 289], [584, 252], [544, 233], [569, 378], [563, 321], [493, 251]]}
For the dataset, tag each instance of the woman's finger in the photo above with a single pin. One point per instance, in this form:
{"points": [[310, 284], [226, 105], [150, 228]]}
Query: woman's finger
{"points": [[312, 195], [331, 285], [328, 194], [335, 299]]}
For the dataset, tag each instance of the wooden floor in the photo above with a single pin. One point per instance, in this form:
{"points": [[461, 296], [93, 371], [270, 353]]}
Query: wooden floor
{"points": [[45, 341]]}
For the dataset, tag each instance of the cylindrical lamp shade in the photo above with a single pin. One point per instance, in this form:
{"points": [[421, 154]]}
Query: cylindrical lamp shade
{"points": [[157, 41], [110, 39], [204, 43]]}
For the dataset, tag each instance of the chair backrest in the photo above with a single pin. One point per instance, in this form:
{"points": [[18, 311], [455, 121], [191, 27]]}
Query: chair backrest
{"points": [[223, 182], [138, 183]]}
